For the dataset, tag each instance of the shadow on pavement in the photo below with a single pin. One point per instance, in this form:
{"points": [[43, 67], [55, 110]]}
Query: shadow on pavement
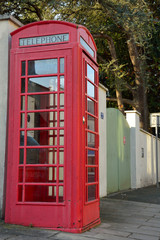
{"points": [[149, 194]]}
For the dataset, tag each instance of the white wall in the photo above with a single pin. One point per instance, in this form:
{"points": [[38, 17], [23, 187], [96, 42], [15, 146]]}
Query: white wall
{"points": [[143, 167], [146, 174], [132, 118], [7, 25], [102, 142]]}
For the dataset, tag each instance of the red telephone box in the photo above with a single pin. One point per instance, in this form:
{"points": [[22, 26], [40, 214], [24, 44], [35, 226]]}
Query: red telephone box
{"points": [[53, 139]]}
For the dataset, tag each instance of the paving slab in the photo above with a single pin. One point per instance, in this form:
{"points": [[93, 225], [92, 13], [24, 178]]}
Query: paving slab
{"points": [[124, 226], [142, 237], [150, 194], [5, 236], [16, 230], [150, 224], [107, 231], [71, 236], [148, 231], [25, 238], [156, 230], [138, 219], [121, 220]]}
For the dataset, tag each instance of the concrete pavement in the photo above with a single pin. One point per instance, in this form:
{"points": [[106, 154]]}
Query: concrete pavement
{"points": [[121, 220], [150, 194], [130, 220]]}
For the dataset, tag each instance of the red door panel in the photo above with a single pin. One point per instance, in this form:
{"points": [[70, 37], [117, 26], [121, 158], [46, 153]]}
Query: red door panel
{"points": [[39, 141], [91, 144]]}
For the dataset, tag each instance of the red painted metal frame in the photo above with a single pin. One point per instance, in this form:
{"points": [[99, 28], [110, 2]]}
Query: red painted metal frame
{"points": [[75, 214], [58, 92], [91, 208]]}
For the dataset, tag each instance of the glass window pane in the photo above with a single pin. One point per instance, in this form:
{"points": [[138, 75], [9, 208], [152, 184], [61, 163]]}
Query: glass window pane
{"points": [[90, 89], [22, 85], [61, 83], [61, 156], [41, 156], [41, 119], [61, 119], [52, 119], [20, 176], [52, 175], [38, 193], [42, 84], [21, 156], [52, 191], [61, 65], [53, 137], [53, 101], [20, 192], [40, 67], [90, 106], [91, 192], [62, 100], [91, 123], [61, 137], [22, 103], [43, 101], [40, 174], [23, 68], [90, 73], [91, 139], [22, 120], [52, 155], [91, 174], [86, 46], [61, 174], [21, 138], [91, 157], [61, 194], [41, 137]]}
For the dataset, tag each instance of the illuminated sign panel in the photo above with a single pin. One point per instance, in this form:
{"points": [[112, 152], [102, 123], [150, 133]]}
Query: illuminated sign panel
{"points": [[59, 38], [87, 47]]}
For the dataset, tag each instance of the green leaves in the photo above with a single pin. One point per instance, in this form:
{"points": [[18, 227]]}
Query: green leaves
{"points": [[121, 21], [28, 10]]}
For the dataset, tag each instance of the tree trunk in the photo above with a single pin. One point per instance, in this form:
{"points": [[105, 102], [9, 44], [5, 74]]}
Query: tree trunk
{"points": [[140, 97], [114, 58], [118, 84]]}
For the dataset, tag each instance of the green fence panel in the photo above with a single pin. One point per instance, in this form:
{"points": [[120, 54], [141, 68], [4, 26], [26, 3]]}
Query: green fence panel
{"points": [[118, 152]]}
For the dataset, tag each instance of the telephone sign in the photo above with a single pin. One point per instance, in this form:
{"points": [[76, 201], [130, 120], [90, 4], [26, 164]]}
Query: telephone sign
{"points": [[44, 39]]}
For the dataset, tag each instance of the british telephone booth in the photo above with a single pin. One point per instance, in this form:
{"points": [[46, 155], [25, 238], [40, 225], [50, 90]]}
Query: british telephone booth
{"points": [[53, 141]]}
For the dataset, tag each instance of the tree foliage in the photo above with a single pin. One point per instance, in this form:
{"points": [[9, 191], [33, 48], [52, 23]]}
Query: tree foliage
{"points": [[112, 21], [127, 36], [28, 10]]}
